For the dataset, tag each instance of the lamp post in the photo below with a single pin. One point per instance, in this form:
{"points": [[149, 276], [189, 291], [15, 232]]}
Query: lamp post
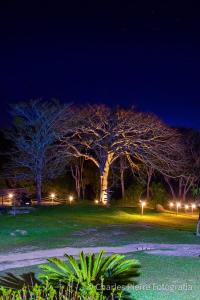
{"points": [[11, 196], [186, 207], [71, 199], [193, 206], [178, 205], [143, 204], [52, 195]]}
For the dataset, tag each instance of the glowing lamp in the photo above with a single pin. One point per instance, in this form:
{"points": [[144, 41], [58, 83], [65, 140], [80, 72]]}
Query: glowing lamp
{"points": [[193, 206], [178, 205], [143, 204], [53, 195], [10, 195], [71, 198]]}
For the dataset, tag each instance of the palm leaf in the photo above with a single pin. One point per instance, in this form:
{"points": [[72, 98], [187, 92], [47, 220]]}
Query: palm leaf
{"points": [[18, 282]]}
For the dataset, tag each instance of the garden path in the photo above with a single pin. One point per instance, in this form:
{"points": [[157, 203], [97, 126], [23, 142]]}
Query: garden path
{"points": [[23, 258]]}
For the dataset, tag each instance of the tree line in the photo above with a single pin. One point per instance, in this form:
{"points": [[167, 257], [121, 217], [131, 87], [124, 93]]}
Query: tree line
{"points": [[47, 137]]}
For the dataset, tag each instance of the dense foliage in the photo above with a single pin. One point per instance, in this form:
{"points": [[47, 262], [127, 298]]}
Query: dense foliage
{"points": [[91, 277]]}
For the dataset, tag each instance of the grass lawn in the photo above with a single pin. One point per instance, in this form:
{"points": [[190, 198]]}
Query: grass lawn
{"points": [[167, 278], [89, 225], [174, 273]]}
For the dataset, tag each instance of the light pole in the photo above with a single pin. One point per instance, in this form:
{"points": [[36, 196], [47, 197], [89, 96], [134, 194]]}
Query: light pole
{"points": [[186, 207], [178, 205], [52, 195], [71, 199], [193, 206], [143, 204], [10, 196]]}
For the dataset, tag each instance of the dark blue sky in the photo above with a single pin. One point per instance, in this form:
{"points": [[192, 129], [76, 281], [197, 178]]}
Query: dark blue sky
{"points": [[141, 53]]}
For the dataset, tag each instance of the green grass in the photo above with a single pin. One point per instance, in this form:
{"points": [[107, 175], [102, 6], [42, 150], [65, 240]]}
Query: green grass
{"points": [[88, 225], [167, 278]]}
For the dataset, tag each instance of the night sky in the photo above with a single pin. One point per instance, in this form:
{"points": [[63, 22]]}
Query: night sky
{"points": [[132, 53]]}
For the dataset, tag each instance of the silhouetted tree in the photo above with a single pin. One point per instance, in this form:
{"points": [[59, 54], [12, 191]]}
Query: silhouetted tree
{"points": [[34, 154]]}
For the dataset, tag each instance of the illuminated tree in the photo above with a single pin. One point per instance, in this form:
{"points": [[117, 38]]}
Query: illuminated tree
{"points": [[102, 135]]}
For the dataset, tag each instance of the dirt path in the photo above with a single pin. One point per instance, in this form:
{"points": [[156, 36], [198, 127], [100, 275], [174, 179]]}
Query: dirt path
{"points": [[20, 259]]}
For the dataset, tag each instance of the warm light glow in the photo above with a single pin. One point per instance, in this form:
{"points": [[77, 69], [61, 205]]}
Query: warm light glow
{"points": [[10, 196], [171, 204], [193, 205], [178, 204], [186, 206], [143, 204], [96, 201], [53, 195], [71, 198]]}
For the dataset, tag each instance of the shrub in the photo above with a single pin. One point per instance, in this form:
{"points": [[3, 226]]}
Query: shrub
{"points": [[90, 269], [89, 278], [48, 292], [133, 194], [158, 193]]}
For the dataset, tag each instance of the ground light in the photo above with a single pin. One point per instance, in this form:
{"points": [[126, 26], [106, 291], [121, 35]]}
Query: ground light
{"points": [[11, 196], [186, 207], [178, 205], [96, 201], [52, 195], [193, 206], [171, 204], [71, 199], [143, 204]]}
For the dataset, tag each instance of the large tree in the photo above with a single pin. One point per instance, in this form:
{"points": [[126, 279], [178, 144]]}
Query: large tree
{"points": [[102, 135], [34, 156]]}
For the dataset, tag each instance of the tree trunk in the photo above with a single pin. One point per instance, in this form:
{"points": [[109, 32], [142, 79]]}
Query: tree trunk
{"points": [[122, 170], [104, 172], [180, 189], [198, 225], [148, 189], [188, 184], [76, 175], [39, 189], [122, 184], [149, 176], [171, 187]]}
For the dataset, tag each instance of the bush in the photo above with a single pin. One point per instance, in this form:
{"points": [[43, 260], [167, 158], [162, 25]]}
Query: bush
{"points": [[158, 194], [133, 194], [91, 270], [48, 292], [89, 278]]}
